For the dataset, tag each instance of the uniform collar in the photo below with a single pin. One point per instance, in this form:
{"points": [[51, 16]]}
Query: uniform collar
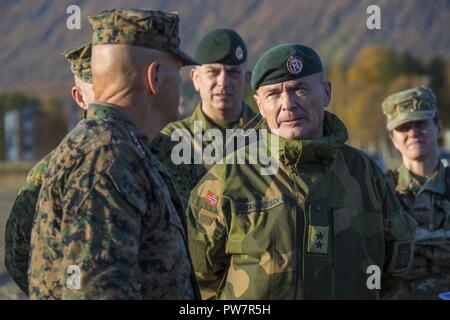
{"points": [[107, 111], [246, 115], [407, 182], [317, 151]]}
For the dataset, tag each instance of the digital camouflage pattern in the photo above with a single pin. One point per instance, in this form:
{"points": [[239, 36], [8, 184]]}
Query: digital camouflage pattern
{"points": [[107, 224], [152, 29], [308, 232], [429, 204], [20, 221], [80, 62], [186, 176], [414, 104]]}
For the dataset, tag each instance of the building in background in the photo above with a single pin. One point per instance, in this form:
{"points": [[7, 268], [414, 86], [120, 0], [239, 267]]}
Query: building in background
{"points": [[30, 131]]}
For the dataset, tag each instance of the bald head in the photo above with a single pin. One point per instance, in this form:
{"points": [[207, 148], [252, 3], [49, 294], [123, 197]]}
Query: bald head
{"points": [[144, 82], [120, 70]]}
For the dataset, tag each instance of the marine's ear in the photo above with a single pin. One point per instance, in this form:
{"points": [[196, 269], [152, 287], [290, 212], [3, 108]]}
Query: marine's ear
{"points": [[153, 78]]}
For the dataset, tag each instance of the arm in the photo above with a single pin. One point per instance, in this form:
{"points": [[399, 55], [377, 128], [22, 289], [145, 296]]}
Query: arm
{"points": [[19, 224], [207, 239], [399, 234], [100, 234], [17, 236]]}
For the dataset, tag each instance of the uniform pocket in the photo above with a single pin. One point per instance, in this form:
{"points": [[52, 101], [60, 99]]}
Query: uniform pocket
{"points": [[254, 226], [261, 243], [212, 224]]}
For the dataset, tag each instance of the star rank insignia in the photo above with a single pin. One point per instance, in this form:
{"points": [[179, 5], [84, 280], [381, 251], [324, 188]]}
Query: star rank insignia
{"points": [[318, 240]]}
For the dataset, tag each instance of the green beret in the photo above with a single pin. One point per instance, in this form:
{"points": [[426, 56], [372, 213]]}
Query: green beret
{"points": [[414, 104], [80, 62], [145, 28], [222, 46], [285, 62]]}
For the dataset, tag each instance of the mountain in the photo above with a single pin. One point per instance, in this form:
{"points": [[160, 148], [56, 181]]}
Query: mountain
{"points": [[34, 33]]}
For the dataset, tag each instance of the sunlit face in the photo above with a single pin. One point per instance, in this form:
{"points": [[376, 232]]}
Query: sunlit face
{"points": [[416, 140], [221, 87], [294, 109]]}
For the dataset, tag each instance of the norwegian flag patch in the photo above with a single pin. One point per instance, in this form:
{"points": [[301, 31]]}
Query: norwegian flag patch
{"points": [[211, 198]]}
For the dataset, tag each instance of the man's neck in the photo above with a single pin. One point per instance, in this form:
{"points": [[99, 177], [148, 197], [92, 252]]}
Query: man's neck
{"points": [[223, 115], [136, 111], [422, 168]]}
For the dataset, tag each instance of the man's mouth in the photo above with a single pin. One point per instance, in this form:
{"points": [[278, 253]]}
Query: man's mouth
{"points": [[293, 121], [222, 95]]}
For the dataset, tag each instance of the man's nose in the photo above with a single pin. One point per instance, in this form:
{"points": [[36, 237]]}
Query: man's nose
{"points": [[223, 79], [287, 101]]}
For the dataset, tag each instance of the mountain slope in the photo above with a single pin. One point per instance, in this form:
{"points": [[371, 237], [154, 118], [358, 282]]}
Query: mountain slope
{"points": [[34, 32]]}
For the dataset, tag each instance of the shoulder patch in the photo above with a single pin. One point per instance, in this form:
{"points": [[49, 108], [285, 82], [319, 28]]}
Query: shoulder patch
{"points": [[211, 198]]}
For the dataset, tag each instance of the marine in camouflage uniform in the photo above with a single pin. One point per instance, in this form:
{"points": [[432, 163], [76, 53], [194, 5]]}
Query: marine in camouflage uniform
{"points": [[426, 198], [313, 229], [20, 221], [107, 222], [225, 48]]}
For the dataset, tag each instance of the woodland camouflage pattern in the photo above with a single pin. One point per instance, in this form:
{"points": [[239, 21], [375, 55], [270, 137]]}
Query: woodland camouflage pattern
{"points": [[109, 208], [194, 171], [309, 231], [20, 221], [429, 204]]}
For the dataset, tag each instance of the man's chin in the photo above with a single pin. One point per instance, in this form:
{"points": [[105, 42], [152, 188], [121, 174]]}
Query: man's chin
{"points": [[223, 106], [292, 134]]}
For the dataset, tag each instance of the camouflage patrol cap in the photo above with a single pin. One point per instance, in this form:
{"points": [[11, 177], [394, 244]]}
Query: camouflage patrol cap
{"points": [[152, 29], [80, 62], [285, 62], [415, 104], [222, 46]]}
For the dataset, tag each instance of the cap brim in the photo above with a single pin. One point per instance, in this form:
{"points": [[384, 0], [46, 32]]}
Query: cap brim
{"points": [[186, 60], [409, 117]]}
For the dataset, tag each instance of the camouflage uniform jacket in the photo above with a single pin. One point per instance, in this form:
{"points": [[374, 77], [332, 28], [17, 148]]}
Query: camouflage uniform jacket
{"points": [[20, 221], [106, 223], [429, 204], [309, 231], [186, 176]]}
